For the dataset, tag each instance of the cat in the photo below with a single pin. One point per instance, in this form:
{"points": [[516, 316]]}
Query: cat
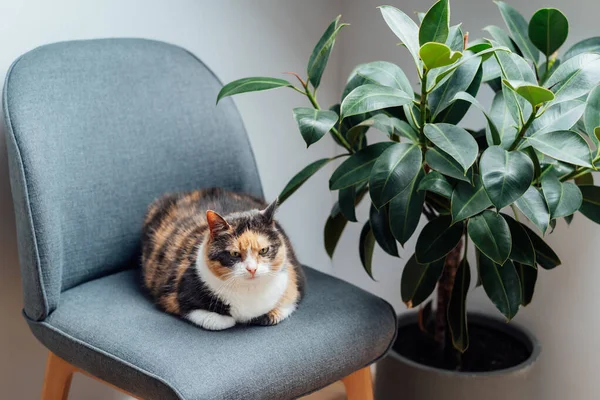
{"points": [[218, 258]]}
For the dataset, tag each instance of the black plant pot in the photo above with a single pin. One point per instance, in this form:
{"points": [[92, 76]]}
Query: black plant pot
{"points": [[398, 377]]}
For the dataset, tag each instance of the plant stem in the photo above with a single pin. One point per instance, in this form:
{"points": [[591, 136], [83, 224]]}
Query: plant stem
{"points": [[580, 171], [423, 109], [526, 126], [334, 131], [444, 290]]}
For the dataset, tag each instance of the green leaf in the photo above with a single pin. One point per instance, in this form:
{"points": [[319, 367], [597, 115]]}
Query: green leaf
{"points": [[437, 239], [518, 28], [591, 202], [440, 76], [333, 229], [381, 230], [456, 39], [491, 235], [502, 118], [405, 210], [522, 248], [548, 30], [358, 167], [392, 126], [460, 81], [455, 141], [500, 36], [456, 111], [591, 117], [515, 68], [457, 307], [501, 284], [534, 94], [366, 247], [565, 146], [506, 175], [369, 97], [436, 183], [559, 117], [314, 124], [575, 77], [468, 200], [393, 171], [404, 28], [444, 163], [436, 24], [436, 55], [495, 137], [533, 205], [419, 280], [544, 255], [301, 177], [563, 199], [254, 84], [348, 198], [527, 277], [320, 55], [381, 73], [590, 45]]}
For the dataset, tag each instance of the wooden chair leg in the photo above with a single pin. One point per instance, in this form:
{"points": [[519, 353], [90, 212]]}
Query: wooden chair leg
{"points": [[359, 385], [58, 378]]}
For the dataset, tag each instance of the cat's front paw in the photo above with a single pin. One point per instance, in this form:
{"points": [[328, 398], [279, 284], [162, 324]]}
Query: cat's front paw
{"points": [[274, 316]]}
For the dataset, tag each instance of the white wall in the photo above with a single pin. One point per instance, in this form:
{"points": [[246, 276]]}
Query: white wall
{"points": [[564, 313], [235, 39]]}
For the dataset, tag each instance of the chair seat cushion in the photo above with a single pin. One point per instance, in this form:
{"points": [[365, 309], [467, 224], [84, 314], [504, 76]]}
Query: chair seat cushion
{"points": [[109, 328]]}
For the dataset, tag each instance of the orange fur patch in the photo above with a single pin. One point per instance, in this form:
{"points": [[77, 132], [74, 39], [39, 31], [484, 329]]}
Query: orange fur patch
{"points": [[252, 241]]}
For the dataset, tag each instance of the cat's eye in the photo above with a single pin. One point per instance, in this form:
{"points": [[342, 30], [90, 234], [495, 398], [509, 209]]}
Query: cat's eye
{"points": [[263, 251], [233, 253]]}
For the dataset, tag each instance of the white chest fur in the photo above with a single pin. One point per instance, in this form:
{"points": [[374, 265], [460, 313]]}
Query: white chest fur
{"points": [[247, 299]]}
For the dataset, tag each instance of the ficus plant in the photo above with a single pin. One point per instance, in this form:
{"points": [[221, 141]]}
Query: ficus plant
{"points": [[530, 165]]}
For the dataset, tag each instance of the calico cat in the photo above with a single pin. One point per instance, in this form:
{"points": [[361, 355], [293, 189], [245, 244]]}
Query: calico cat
{"points": [[217, 258]]}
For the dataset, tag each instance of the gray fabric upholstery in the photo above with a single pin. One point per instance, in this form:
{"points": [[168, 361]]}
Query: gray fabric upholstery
{"points": [[97, 130], [110, 328]]}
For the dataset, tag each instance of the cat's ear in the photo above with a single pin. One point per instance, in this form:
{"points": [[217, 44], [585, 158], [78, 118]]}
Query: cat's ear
{"points": [[269, 212], [216, 223]]}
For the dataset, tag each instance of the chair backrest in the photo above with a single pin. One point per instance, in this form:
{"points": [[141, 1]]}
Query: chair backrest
{"points": [[98, 129]]}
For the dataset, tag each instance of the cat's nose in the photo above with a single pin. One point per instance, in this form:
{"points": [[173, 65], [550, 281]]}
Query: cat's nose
{"points": [[251, 269]]}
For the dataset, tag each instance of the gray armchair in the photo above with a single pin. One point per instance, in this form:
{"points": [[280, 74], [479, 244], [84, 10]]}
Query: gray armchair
{"points": [[97, 130]]}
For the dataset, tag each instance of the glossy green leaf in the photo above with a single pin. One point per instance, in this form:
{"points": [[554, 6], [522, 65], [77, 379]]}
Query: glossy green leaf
{"points": [[437, 239], [392, 126], [358, 167], [381, 73], [515, 68], [348, 198], [575, 77], [369, 98], [491, 235], [548, 30], [495, 137], [455, 141], [456, 40], [444, 163], [527, 277], [436, 24], [559, 117], [518, 28], [591, 202], [500, 36], [436, 55], [501, 284], [418, 281], [591, 117], [336, 222], [320, 55], [405, 210], [301, 177], [436, 183], [444, 73], [590, 45], [460, 81], [544, 255], [393, 171], [254, 84], [535, 95], [458, 108], [381, 230], [365, 248], [565, 146], [468, 200], [563, 199], [506, 175], [522, 248], [457, 307], [533, 205], [404, 28], [314, 124]]}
